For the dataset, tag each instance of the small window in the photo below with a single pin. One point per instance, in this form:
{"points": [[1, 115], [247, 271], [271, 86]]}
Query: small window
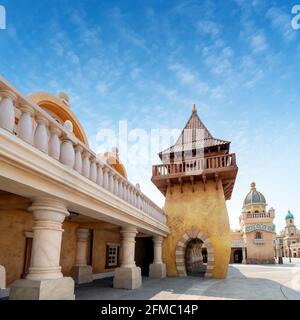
{"points": [[258, 235], [291, 221], [112, 255]]}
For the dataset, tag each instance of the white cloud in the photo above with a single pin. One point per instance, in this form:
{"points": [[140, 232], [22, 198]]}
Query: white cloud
{"points": [[186, 76], [258, 43], [207, 27]]}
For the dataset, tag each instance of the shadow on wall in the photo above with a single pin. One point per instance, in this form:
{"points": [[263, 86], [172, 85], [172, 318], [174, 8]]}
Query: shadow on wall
{"points": [[236, 286]]}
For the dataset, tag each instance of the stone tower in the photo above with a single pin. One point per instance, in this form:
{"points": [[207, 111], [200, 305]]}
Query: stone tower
{"points": [[197, 176], [258, 227]]}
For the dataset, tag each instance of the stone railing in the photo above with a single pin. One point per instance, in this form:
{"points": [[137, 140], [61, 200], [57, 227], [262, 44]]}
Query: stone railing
{"points": [[32, 124], [259, 215]]}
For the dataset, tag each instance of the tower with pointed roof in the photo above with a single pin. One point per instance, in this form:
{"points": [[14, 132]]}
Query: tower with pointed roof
{"points": [[197, 176]]}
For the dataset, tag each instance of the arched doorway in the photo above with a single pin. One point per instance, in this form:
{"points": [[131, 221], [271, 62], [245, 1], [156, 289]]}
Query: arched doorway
{"points": [[238, 256], [183, 246], [193, 258]]}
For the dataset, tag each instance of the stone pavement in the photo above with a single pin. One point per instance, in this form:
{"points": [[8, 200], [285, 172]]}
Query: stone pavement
{"points": [[250, 282]]}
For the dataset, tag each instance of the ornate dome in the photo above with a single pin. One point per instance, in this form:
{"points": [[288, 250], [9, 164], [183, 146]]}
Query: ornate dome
{"points": [[254, 196], [289, 215]]}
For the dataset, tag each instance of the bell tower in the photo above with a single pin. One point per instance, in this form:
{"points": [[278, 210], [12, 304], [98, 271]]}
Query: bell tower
{"points": [[197, 176]]}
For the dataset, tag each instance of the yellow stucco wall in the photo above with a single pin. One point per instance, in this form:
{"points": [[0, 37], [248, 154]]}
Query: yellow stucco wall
{"points": [[202, 210], [13, 223], [101, 238]]}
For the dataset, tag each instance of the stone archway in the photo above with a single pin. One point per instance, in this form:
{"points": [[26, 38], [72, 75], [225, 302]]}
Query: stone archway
{"points": [[181, 248]]}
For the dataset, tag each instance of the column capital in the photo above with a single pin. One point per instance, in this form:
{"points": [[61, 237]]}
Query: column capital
{"points": [[82, 234], [48, 209], [158, 240], [129, 232]]}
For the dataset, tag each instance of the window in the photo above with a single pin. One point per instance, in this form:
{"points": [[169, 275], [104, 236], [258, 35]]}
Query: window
{"points": [[258, 235], [112, 255]]}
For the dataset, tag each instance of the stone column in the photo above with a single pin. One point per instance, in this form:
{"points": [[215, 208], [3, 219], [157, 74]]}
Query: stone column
{"points": [[244, 261], [128, 276], [45, 280], [81, 272], [157, 268]]}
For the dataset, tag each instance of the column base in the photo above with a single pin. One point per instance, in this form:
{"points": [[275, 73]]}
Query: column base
{"points": [[82, 274], [128, 278], [157, 270], [244, 262], [58, 289]]}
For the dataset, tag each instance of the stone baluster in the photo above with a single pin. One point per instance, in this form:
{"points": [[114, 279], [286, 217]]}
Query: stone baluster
{"points": [[93, 172], [99, 180], [105, 178], [78, 158], [25, 125], [86, 165], [67, 153], [121, 189], [7, 110], [116, 186], [40, 139], [111, 182], [54, 142]]}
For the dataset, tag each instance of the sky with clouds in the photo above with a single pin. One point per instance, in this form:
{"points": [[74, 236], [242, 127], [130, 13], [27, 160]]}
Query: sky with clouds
{"points": [[147, 62]]}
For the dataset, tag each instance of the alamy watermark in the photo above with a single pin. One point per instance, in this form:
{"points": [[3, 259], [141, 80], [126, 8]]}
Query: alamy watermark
{"points": [[296, 19], [2, 18]]}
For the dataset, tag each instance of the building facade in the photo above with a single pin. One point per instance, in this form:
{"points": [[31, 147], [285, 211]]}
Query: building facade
{"points": [[254, 243], [67, 215], [287, 243]]}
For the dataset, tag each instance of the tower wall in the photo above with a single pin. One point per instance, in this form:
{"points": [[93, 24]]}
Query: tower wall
{"points": [[200, 210]]}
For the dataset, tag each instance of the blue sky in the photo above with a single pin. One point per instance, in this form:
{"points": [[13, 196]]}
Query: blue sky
{"points": [[147, 62]]}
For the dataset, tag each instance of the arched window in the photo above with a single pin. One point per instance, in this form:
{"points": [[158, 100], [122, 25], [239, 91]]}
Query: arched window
{"points": [[258, 235]]}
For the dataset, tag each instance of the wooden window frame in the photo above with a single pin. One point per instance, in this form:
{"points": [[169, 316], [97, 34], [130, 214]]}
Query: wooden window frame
{"points": [[108, 245]]}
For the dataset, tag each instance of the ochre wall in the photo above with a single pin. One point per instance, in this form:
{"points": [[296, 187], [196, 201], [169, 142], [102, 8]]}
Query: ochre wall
{"points": [[101, 238], [202, 210], [13, 223], [68, 247], [260, 253]]}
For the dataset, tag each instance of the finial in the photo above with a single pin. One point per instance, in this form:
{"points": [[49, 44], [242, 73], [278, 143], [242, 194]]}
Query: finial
{"points": [[115, 150], [253, 186], [194, 108]]}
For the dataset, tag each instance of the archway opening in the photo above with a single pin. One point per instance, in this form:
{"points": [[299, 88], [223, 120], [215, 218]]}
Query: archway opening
{"points": [[195, 266]]}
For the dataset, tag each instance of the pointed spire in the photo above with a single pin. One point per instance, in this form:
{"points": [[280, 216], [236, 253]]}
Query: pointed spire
{"points": [[194, 110]]}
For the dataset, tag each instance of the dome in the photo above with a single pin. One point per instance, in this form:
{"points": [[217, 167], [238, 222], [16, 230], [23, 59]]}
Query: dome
{"points": [[254, 196], [273, 226], [289, 215]]}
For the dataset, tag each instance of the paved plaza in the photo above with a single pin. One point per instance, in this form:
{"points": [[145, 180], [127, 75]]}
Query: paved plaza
{"points": [[254, 282]]}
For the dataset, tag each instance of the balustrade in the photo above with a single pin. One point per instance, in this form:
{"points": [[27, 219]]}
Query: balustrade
{"points": [[36, 127]]}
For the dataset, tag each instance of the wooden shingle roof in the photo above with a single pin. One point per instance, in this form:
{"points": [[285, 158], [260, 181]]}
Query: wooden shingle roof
{"points": [[195, 135]]}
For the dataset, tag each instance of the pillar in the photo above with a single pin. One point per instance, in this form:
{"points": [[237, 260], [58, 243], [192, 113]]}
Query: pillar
{"points": [[157, 268], [82, 272], [128, 276], [45, 280], [7, 110], [244, 261]]}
